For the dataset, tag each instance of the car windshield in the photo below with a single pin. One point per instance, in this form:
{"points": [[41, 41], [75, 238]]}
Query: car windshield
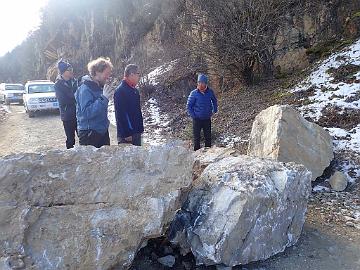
{"points": [[14, 87], [41, 88]]}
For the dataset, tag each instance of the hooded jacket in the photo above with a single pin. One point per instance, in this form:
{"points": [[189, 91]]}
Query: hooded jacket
{"points": [[91, 107]]}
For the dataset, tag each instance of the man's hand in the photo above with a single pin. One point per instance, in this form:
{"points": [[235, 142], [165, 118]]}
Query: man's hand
{"points": [[108, 92]]}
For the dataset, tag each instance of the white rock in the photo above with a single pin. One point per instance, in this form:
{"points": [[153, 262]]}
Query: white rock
{"points": [[168, 260], [282, 134], [338, 181], [243, 209]]}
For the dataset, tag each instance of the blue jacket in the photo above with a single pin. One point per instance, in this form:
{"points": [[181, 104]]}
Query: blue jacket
{"points": [[91, 107], [202, 105], [129, 119], [65, 94]]}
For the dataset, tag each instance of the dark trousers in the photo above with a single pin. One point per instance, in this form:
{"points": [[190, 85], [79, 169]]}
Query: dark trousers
{"points": [[91, 137], [70, 128], [135, 140], [199, 125]]}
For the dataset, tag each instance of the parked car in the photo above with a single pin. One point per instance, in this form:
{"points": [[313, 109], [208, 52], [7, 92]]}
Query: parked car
{"points": [[40, 96], [10, 93]]}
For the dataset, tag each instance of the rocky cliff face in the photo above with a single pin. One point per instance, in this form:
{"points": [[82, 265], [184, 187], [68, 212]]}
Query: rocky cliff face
{"points": [[311, 28], [151, 32], [134, 31]]}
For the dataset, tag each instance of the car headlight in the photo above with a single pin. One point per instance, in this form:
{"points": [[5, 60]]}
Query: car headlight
{"points": [[9, 95], [33, 101]]}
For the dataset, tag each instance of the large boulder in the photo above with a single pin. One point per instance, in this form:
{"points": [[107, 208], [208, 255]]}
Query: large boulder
{"points": [[88, 208], [242, 209], [282, 134]]}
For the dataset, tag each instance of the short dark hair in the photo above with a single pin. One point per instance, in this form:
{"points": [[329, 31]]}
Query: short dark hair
{"points": [[130, 69]]}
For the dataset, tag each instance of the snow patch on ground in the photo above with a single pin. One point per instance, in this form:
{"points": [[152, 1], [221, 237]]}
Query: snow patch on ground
{"points": [[111, 113], [329, 93], [346, 140], [155, 122], [349, 166], [231, 140], [320, 188], [153, 77]]}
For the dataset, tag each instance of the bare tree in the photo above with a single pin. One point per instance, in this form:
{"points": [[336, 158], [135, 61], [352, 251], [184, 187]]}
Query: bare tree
{"points": [[236, 35]]}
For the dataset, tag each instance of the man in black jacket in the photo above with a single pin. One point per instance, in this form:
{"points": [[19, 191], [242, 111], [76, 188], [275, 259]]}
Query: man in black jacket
{"points": [[129, 119], [65, 88]]}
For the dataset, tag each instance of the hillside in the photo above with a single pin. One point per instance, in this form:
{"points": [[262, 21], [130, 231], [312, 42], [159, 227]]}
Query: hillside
{"points": [[153, 32], [118, 207]]}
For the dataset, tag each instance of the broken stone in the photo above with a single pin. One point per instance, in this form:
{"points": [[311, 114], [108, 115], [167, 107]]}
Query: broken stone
{"points": [[282, 134], [236, 204], [15, 263], [222, 267], [168, 260], [89, 208], [206, 156], [350, 224], [338, 181]]}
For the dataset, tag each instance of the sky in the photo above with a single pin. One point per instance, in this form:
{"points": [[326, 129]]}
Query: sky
{"points": [[17, 19]]}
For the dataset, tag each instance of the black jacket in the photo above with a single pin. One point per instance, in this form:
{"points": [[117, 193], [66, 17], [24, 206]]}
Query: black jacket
{"points": [[129, 119], [65, 91]]}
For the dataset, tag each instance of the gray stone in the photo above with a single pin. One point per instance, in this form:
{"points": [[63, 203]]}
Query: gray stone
{"points": [[222, 267], [15, 262], [168, 250], [243, 209], [282, 134], [206, 156], [168, 260], [338, 181], [89, 208]]}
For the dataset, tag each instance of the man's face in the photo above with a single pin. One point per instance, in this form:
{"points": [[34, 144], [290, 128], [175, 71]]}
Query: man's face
{"points": [[135, 77], [68, 74], [104, 76], [201, 86]]}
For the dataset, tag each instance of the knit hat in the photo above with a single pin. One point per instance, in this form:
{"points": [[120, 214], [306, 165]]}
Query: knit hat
{"points": [[63, 66], [203, 78]]}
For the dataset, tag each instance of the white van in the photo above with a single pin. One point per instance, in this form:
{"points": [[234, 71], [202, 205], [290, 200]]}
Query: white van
{"points": [[40, 96], [11, 92]]}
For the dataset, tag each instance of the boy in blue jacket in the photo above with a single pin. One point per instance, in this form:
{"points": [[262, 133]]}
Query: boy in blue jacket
{"points": [[129, 119], [201, 105]]}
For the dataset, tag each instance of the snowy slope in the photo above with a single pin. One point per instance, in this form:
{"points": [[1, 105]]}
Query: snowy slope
{"points": [[327, 92]]}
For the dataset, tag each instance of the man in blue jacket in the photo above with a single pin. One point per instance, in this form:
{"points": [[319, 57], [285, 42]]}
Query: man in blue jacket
{"points": [[92, 99], [201, 105], [65, 87], [129, 119]]}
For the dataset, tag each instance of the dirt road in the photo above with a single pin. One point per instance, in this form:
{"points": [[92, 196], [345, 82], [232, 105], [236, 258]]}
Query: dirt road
{"points": [[19, 133], [324, 245]]}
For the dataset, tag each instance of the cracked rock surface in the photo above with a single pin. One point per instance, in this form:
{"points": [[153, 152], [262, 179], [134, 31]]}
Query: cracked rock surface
{"points": [[242, 209], [88, 208]]}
